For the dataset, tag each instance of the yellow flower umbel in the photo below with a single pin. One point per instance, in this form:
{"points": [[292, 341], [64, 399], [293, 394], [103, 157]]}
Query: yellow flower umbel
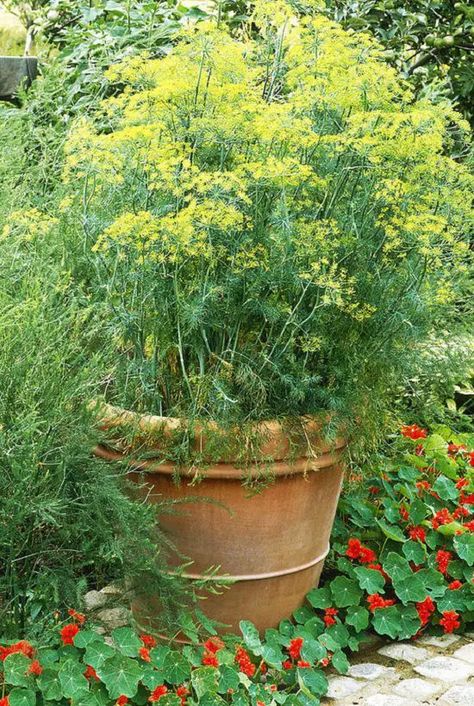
{"points": [[274, 215]]}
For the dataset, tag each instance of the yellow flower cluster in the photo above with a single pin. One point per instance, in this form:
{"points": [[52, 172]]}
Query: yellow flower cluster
{"points": [[28, 225], [235, 156]]}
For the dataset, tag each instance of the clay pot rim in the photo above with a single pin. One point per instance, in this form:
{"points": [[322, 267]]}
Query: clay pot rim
{"points": [[275, 447], [226, 471]]}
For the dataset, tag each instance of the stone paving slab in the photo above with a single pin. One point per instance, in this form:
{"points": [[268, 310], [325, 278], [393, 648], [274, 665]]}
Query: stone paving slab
{"points": [[433, 671]]}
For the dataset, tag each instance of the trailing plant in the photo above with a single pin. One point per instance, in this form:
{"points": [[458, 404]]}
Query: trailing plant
{"points": [[273, 224], [404, 558]]}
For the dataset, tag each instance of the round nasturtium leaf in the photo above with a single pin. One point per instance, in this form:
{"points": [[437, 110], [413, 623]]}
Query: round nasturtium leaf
{"points": [[120, 675], [22, 697]]}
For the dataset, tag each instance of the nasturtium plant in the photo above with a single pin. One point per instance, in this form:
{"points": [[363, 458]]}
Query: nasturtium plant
{"points": [[420, 579]]}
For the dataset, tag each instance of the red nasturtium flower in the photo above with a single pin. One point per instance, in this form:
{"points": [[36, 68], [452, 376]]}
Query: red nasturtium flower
{"points": [[417, 533], [442, 517], [404, 514], [461, 512], [213, 645], [23, 647], [356, 550], [90, 673], [329, 616], [450, 621], [353, 548], [295, 646], [287, 664], [423, 485], [442, 560], [79, 618], [466, 499], [122, 700], [302, 663], [454, 585], [4, 701], [144, 653], [182, 692], [35, 668], [157, 693], [470, 525], [461, 483], [209, 660], [148, 641], [454, 449], [413, 431], [425, 609], [375, 600], [471, 458], [378, 567], [246, 665], [68, 633]]}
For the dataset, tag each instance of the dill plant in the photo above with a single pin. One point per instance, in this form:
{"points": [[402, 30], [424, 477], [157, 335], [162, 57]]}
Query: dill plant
{"points": [[273, 224]]}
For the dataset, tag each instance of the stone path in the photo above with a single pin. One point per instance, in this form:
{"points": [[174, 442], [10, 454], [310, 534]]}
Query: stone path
{"points": [[433, 671]]}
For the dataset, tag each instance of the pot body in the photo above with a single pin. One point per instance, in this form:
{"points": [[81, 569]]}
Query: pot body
{"points": [[271, 543]]}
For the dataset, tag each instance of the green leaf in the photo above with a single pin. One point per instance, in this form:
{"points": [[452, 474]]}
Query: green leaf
{"points": [[211, 700], [464, 545], [73, 682], [312, 682], [340, 662], [127, 641], [302, 614], [358, 617], [433, 582], [433, 443], [188, 627], [120, 675], [205, 680], [340, 634], [409, 589], [228, 679], [95, 697], [49, 685], [345, 592], [15, 668], [418, 511], [97, 652], [370, 580], [396, 566], [85, 637], [386, 621], [320, 597], [414, 551], [391, 531], [313, 650], [271, 654], [408, 473], [409, 621], [452, 600], [22, 697], [158, 655], [251, 636], [445, 488], [206, 623], [450, 529], [175, 667]]}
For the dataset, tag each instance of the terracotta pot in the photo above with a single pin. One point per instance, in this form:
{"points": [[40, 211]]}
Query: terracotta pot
{"points": [[271, 543]]}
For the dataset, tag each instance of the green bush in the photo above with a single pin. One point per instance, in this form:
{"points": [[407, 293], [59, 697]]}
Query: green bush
{"points": [[66, 522], [273, 233]]}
